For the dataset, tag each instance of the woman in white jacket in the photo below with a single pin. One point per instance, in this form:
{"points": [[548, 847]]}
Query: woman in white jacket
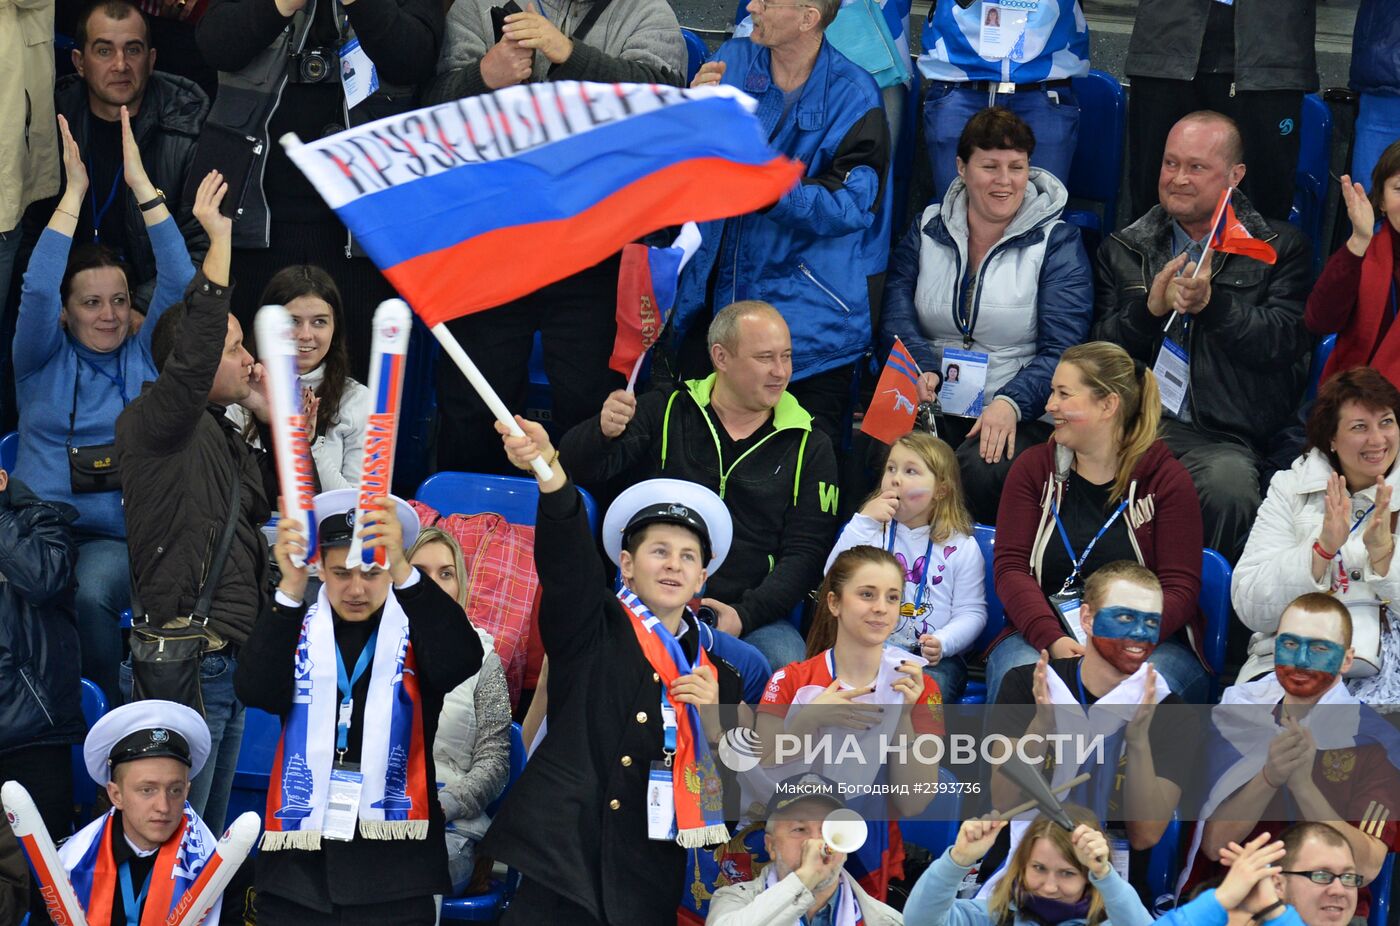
{"points": [[1328, 524], [472, 749]]}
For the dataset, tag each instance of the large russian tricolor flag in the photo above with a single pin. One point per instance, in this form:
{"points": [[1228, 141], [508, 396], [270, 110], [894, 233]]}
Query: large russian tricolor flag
{"points": [[470, 204]]}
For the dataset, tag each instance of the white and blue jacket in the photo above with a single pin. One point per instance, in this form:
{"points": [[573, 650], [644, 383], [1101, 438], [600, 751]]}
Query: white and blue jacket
{"points": [[1055, 45]]}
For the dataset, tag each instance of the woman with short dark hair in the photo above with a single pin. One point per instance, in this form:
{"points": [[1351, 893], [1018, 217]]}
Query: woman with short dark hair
{"points": [[994, 273], [1356, 295], [1328, 525], [80, 355]]}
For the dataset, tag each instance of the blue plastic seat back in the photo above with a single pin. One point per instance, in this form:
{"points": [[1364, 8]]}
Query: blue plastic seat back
{"points": [[9, 450], [94, 706], [696, 53], [1215, 605], [1380, 893], [996, 615], [1321, 353], [513, 497], [1098, 155], [1164, 862], [1314, 173]]}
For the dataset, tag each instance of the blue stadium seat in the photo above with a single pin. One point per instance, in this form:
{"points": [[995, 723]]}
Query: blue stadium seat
{"points": [[1098, 156], [1215, 604], [1321, 352], [1380, 893], [261, 732], [944, 816], [9, 450], [84, 789], [976, 692], [1314, 173], [513, 497], [1164, 864], [696, 52], [487, 907]]}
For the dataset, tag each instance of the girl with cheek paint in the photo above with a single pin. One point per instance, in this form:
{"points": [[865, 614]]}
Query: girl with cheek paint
{"points": [[918, 514]]}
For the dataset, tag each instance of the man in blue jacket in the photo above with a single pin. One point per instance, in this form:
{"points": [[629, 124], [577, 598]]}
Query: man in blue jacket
{"points": [[813, 252]]}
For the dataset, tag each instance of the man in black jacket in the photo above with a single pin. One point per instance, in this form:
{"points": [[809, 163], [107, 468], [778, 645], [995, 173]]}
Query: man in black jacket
{"points": [[179, 455], [385, 626], [582, 824], [40, 701], [114, 61], [1234, 372], [740, 433]]}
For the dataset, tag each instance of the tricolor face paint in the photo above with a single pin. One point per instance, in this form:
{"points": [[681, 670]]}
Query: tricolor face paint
{"points": [[1307, 666], [1125, 636]]}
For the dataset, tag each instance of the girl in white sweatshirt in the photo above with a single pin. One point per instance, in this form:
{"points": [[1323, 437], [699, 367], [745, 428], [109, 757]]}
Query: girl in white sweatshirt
{"points": [[919, 515]]}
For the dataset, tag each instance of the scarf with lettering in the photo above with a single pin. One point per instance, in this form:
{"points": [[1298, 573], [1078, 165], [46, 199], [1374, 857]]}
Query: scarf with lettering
{"points": [[394, 799], [847, 910], [699, 795], [93, 871]]}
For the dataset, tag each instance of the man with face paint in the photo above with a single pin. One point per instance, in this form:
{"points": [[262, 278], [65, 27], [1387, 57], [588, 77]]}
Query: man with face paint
{"points": [[1121, 615], [1320, 756]]}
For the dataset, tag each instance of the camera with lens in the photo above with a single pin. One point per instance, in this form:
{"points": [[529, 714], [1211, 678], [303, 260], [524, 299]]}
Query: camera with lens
{"points": [[314, 65]]}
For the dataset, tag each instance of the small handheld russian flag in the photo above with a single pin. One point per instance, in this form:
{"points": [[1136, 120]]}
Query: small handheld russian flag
{"points": [[393, 322], [1229, 236], [896, 400], [295, 476]]}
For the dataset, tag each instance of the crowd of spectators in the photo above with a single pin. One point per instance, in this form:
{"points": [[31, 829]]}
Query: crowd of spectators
{"points": [[1111, 408]]}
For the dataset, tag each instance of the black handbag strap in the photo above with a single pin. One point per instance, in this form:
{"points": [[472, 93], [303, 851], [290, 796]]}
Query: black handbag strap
{"points": [[205, 602], [589, 18]]}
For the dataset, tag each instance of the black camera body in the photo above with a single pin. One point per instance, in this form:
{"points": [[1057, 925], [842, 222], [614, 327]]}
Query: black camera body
{"points": [[315, 65]]}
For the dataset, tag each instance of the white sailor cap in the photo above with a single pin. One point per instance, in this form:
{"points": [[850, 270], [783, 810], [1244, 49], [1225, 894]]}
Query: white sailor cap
{"points": [[670, 501], [146, 730], [335, 518]]}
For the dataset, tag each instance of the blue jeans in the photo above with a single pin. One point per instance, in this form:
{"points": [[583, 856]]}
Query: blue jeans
{"points": [[779, 642], [947, 107], [104, 591], [1180, 668], [1377, 126], [223, 712], [951, 676]]}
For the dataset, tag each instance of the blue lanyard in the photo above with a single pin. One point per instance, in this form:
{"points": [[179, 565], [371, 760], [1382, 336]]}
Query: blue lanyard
{"points": [[131, 901], [1072, 581], [347, 686], [99, 214], [928, 563], [1394, 303], [118, 381]]}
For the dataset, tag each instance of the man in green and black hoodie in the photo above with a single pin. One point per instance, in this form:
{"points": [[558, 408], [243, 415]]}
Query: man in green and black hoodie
{"points": [[742, 434]]}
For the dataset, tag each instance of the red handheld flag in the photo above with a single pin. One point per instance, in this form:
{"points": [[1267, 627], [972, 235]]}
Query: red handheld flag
{"points": [[1229, 236], [896, 402]]}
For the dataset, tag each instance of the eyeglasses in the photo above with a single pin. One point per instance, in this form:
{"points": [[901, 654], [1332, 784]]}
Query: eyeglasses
{"points": [[1351, 879]]}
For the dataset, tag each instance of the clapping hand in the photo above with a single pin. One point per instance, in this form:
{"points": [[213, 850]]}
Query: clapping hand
{"points": [[1379, 540], [1362, 215], [132, 167], [1249, 885]]}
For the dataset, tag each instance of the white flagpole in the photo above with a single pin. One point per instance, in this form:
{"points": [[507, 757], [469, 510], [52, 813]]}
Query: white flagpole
{"points": [[483, 389]]}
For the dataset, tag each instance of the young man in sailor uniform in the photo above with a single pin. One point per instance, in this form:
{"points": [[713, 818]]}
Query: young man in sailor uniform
{"points": [[132, 866], [354, 831], [1141, 782], [1307, 750], [626, 678]]}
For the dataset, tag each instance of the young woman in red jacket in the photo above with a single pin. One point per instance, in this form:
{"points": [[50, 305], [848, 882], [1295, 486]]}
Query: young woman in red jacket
{"points": [[1356, 295], [1104, 488]]}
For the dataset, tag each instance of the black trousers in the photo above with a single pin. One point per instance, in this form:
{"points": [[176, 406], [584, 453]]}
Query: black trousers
{"points": [[279, 911], [46, 772], [827, 398], [576, 318], [1270, 122], [362, 287], [535, 904]]}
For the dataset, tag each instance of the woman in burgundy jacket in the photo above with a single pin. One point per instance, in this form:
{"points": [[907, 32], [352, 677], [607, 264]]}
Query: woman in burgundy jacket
{"points": [[1104, 488], [1355, 297]]}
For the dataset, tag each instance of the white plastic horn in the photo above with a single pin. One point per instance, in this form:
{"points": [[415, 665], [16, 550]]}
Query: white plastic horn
{"points": [[844, 831]]}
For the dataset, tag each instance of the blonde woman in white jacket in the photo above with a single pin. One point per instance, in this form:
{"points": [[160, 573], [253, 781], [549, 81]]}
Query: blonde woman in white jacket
{"points": [[1328, 525]]}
